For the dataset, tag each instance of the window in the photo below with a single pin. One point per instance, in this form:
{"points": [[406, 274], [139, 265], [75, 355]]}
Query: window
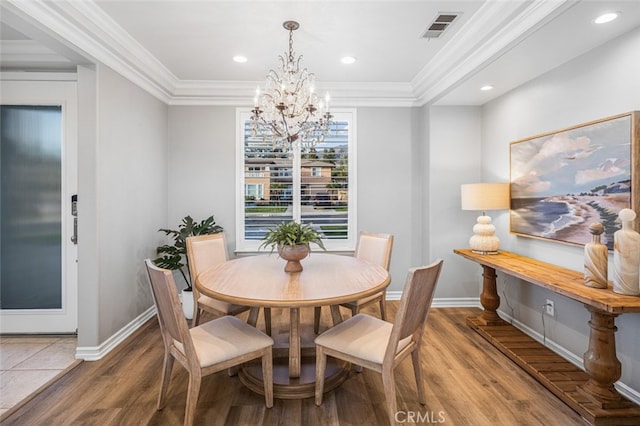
{"points": [[316, 187], [285, 171], [254, 191]]}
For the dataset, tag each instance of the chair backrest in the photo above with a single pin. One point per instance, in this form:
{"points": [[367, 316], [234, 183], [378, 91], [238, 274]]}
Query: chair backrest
{"points": [[374, 248], [173, 324], [415, 304], [204, 251]]}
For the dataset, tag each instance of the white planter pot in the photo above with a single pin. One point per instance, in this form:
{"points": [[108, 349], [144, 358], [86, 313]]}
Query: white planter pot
{"points": [[187, 303]]}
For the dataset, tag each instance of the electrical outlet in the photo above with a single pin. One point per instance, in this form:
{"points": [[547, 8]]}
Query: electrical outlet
{"points": [[549, 308]]}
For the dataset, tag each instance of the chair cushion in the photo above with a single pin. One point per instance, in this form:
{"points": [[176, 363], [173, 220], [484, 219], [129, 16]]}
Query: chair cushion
{"points": [[216, 306], [363, 336], [225, 338]]}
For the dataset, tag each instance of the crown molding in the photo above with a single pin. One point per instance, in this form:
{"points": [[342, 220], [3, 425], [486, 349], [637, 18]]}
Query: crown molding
{"points": [[383, 94], [212, 92], [495, 28], [88, 30], [241, 93], [37, 76], [84, 28], [29, 51]]}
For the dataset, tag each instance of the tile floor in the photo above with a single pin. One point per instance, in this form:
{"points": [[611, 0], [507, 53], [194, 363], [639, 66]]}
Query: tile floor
{"points": [[29, 362]]}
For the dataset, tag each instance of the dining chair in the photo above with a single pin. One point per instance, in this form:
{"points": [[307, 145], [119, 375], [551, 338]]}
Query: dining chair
{"points": [[374, 248], [378, 345], [206, 251], [214, 346]]}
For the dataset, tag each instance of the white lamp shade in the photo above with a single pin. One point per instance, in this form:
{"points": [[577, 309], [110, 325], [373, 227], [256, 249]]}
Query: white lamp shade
{"points": [[485, 196]]}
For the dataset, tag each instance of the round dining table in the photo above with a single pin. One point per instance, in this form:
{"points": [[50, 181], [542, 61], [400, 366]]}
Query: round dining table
{"points": [[261, 282]]}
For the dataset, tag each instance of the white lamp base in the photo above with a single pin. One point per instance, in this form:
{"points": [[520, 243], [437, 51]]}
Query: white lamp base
{"points": [[484, 241]]}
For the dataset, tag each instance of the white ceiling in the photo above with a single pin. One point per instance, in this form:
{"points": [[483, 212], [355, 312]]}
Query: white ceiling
{"points": [[181, 51]]}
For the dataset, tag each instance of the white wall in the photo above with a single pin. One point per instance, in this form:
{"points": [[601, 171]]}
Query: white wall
{"points": [[122, 200], [601, 83]]}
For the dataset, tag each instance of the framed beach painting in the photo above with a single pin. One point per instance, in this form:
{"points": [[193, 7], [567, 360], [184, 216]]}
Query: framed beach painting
{"points": [[563, 181]]}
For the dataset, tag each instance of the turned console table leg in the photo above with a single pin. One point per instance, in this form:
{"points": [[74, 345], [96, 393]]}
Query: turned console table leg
{"points": [[489, 298], [601, 362]]}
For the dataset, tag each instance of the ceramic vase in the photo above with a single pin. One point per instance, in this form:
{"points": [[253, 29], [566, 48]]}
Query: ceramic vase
{"points": [[187, 303], [626, 256], [293, 255], [595, 259]]}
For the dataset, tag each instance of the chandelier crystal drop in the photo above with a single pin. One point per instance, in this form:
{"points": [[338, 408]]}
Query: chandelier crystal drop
{"points": [[287, 113]]}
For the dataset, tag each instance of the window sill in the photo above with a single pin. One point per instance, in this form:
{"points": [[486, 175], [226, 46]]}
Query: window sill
{"points": [[251, 252]]}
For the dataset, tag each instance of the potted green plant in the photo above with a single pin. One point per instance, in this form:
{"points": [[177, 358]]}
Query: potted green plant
{"points": [[292, 240], [174, 256]]}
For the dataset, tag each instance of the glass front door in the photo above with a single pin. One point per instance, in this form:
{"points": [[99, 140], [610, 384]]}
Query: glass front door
{"points": [[37, 260]]}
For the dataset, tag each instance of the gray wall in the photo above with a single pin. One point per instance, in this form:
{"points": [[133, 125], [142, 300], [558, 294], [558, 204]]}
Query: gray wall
{"points": [[601, 83], [455, 153], [122, 199], [148, 165], [386, 171], [202, 174]]}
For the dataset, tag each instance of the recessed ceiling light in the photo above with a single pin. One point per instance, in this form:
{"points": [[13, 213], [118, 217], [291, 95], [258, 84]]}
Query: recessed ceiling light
{"points": [[348, 60], [240, 59], [606, 17], [486, 88]]}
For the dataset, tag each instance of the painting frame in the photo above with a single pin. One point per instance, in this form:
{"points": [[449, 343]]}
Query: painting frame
{"points": [[566, 179]]}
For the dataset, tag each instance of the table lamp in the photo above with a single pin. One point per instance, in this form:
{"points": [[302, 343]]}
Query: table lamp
{"points": [[483, 197]]}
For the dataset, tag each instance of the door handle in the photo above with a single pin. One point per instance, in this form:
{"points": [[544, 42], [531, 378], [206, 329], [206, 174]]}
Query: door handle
{"points": [[74, 213], [74, 237]]}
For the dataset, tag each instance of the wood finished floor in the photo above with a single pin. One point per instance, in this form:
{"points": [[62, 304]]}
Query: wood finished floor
{"points": [[468, 382]]}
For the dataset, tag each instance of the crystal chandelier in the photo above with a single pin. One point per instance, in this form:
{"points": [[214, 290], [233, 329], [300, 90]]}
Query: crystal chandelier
{"points": [[288, 113]]}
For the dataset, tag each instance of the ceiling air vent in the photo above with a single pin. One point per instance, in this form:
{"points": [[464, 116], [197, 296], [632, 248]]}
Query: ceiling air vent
{"points": [[439, 25]]}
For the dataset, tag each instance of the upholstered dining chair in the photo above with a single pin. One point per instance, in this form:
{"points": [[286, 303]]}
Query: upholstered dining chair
{"points": [[374, 248], [216, 345], [378, 345], [205, 251]]}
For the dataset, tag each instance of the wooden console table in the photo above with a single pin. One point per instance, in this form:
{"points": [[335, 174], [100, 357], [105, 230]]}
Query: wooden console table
{"points": [[591, 392]]}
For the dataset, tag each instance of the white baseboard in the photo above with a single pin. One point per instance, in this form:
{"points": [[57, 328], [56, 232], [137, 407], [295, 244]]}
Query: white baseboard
{"points": [[94, 353], [626, 391], [560, 350], [393, 295], [444, 302], [474, 302], [456, 302], [575, 359]]}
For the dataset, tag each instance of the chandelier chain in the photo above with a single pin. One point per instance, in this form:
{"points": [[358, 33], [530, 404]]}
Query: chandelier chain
{"points": [[290, 45]]}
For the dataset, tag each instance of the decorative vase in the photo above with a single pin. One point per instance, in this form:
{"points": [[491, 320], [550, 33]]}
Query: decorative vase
{"points": [[626, 256], [293, 255], [595, 259], [187, 303]]}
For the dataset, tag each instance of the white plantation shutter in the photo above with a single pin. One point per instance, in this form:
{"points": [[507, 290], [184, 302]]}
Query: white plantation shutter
{"points": [[315, 187]]}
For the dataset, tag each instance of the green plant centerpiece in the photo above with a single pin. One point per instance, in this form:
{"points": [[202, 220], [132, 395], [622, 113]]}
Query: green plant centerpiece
{"points": [[292, 240], [174, 256]]}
